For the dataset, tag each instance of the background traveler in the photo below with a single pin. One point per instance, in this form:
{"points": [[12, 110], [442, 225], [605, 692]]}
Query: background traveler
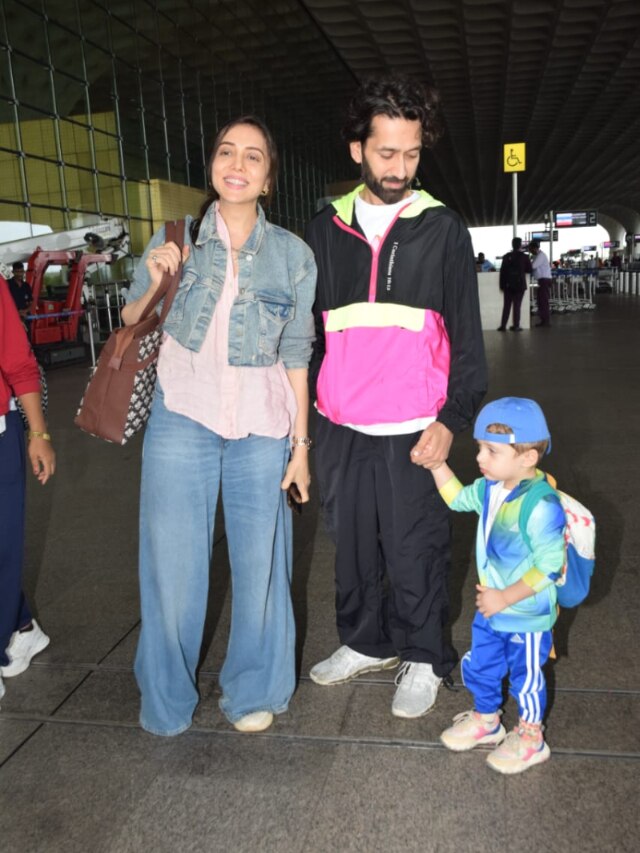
{"points": [[542, 274], [513, 284], [483, 265], [21, 292]]}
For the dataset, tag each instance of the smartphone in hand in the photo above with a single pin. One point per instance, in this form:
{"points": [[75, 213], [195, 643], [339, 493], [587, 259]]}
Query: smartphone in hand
{"points": [[294, 498]]}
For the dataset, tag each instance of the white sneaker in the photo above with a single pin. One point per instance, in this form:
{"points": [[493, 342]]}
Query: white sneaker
{"points": [[23, 646], [345, 664], [258, 721], [417, 690]]}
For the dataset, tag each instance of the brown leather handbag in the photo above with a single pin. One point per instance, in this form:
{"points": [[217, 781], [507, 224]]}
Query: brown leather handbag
{"points": [[117, 401]]}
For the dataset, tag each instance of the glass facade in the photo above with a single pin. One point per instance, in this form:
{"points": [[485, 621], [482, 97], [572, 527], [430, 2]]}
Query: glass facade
{"points": [[109, 109]]}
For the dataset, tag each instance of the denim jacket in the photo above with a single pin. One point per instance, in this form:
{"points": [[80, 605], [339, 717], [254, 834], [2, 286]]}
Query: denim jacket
{"points": [[271, 316]]}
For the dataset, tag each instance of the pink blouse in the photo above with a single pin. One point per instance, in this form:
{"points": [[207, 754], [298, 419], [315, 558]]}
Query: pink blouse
{"points": [[233, 402]]}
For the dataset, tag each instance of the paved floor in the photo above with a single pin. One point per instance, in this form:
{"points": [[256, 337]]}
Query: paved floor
{"points": [[338, 772]]}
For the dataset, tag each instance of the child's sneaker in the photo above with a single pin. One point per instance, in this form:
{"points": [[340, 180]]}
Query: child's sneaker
{"points": [[471, 729], [522, 748]]}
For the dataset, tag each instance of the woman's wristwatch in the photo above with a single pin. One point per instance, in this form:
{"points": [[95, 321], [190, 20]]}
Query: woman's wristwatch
{"points": [[301, 442], [32, 433]]}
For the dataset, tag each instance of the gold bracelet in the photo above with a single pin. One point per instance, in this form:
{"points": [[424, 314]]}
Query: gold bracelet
{"points": [[34, 434]]}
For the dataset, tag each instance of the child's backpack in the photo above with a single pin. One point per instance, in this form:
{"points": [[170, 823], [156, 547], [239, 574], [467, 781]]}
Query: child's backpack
{"points": [[580, 540]]}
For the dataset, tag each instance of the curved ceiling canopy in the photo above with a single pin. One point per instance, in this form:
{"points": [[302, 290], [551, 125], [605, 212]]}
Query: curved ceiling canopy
{"points": [[563, 77]]}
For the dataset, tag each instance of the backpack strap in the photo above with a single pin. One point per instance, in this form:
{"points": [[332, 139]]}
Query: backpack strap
{"points": [[483, 494], [533, 495]]}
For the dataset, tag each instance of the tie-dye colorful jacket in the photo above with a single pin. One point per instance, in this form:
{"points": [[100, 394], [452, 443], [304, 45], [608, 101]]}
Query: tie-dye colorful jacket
{"points": [[504, 558], [398, 332]]}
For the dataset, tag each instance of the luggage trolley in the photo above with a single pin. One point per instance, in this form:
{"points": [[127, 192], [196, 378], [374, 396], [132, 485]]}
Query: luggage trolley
{"points": [[589, 288], [573, 290], [559, 297]]}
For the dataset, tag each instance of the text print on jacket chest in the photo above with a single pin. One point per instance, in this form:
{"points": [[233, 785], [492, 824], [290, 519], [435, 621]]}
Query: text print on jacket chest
{"points": [[391, 264], [376, 251]]}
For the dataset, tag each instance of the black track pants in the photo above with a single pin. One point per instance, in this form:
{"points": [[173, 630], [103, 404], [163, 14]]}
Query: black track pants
{"points": [[392, 534]]}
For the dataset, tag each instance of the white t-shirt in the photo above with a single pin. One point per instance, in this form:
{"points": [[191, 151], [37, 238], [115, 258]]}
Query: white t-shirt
{"points": [[497, 497], [375, 219]]}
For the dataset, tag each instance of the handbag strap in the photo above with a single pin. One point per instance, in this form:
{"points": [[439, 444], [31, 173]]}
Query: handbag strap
{"points": [[174, 232]]}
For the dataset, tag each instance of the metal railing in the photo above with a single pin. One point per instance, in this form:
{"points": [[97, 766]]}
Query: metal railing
{"points": [[104, 302]]}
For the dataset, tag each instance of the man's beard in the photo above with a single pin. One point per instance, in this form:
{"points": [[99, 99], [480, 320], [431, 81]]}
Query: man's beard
{"points": [[387, 195]]}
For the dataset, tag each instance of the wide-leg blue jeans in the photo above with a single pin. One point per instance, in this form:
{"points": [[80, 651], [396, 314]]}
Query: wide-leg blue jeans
{"points": [[184, 467]]}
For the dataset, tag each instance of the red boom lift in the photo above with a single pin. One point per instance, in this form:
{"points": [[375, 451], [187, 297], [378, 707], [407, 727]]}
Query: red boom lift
{"points": [[55, 329]]}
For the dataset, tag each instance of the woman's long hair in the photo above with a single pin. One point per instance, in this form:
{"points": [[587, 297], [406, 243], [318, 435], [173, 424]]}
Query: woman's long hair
{"points": [[272, 153]]}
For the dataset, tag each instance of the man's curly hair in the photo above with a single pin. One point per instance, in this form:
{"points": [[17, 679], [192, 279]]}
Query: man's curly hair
{"points": [[396, 96]]}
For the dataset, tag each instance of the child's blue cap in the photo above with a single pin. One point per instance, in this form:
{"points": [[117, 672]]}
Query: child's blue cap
{"points": [[525, 417]]}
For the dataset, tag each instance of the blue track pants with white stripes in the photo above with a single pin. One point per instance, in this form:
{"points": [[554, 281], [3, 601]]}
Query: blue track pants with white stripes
{"points": [[493, 655]]}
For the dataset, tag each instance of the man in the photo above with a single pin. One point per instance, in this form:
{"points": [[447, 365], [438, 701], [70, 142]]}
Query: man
{"points": [[513, 284], [20, 291], [400, 368], [483, 265], [542, 275]]}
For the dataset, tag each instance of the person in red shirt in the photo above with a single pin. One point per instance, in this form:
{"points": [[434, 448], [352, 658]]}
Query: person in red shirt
{"points": [[20, 635]]}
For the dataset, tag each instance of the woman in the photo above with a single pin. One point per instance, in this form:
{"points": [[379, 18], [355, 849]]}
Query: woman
{"points": [[230, 413], [20, 635]]}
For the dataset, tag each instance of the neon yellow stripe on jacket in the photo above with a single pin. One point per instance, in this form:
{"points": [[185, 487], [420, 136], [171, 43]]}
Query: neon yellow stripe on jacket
{"points": [[536, 579], [450, 489], [379, 315], [344, 206]]}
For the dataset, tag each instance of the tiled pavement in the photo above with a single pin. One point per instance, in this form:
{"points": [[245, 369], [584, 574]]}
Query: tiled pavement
{"points": [[337, 772]]}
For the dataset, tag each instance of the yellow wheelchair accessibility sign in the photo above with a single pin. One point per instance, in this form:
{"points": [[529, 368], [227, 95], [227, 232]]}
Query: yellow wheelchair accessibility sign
{"points": [[514, 157]]}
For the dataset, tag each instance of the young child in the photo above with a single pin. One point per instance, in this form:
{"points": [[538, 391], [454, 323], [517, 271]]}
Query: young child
{"points": [[516, 596]]}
